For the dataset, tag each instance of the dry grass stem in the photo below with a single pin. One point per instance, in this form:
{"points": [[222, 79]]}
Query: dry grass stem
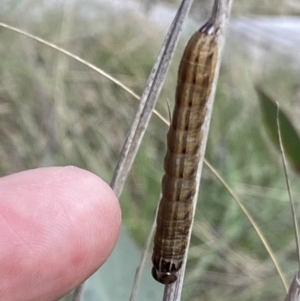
{"points": [[148, 99], [294, 290]]}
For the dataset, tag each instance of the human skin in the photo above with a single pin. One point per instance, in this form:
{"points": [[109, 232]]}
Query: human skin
{"points": [[58, 225]]}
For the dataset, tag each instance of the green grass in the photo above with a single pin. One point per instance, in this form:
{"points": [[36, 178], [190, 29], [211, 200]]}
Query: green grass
{"points": [[82, 119]]}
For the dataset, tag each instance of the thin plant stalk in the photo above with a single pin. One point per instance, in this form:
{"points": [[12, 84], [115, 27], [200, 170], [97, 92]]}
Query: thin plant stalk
{"points": [[138, 274], [148, 99], [294, 290], [288, 185]]}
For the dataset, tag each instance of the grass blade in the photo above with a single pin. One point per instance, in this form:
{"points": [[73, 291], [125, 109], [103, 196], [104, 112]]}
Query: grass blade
{"points": [[290, 138], [294, 290], [148, 99]]}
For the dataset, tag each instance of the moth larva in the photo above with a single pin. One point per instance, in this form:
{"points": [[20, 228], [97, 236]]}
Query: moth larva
{"points": [[174, 218]]}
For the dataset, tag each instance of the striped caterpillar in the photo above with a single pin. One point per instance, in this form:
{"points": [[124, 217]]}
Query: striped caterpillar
{"points": [[174, 218]]}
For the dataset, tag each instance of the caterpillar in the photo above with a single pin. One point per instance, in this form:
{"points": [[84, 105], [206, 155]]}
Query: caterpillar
{"points": [[174, 218]]}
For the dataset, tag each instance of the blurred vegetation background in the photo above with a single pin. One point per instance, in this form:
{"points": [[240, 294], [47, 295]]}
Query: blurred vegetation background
{"points": [[54, 110]]}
